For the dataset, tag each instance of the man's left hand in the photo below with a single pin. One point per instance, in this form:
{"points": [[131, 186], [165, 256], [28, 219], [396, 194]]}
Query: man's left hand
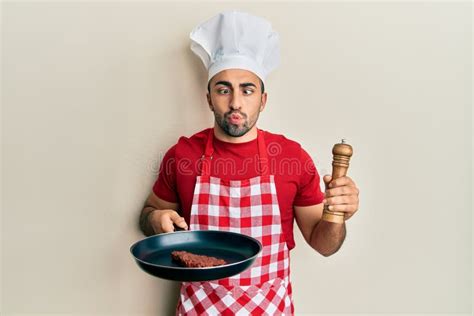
{"points": [[341, 195]]}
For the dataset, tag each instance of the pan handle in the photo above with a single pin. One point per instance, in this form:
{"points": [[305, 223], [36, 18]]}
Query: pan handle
{"points": [[177, 228]]}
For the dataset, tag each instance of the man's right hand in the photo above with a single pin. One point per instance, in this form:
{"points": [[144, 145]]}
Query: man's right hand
{"points": [[163, 221]]}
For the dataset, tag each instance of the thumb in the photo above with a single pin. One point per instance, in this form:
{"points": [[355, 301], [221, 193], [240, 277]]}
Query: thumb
{"points": [[178, 220], [327, 178]]}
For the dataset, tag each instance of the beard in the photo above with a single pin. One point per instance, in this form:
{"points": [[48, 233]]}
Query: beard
{"points": [[234, 130]]}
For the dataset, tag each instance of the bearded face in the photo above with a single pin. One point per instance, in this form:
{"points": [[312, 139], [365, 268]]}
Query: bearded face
{"points": [[236, 99]]}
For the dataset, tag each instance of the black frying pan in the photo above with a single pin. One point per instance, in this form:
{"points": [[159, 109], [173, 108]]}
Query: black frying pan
{"points": [[153, 254]]}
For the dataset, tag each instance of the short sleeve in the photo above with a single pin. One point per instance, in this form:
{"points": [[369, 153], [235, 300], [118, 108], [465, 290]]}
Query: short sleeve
{"points": [[165, 185], [309, 190]]}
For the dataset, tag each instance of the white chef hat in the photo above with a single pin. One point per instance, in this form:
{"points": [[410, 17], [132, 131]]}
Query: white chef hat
{"points": [[234, 39]]}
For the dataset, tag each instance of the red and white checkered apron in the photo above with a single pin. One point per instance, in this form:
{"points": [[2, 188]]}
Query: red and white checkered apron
{"points": [[248, 207]]}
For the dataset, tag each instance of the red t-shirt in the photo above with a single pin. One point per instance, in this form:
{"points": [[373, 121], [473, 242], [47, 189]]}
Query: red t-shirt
{"points": [[296, 178]]}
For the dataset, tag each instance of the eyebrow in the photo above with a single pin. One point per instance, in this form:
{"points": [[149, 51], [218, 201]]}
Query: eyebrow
{"points": [[242, 85]]}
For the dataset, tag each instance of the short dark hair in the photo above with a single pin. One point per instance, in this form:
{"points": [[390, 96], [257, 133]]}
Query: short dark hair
{"points": [[261, 85]]}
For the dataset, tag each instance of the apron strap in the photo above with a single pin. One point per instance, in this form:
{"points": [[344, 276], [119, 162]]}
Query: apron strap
{"points": [[262, 154], [208, 152], [206, 159]]}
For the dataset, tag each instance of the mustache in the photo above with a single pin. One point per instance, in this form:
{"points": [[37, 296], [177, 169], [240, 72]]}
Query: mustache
{"points": [[226, 115]]}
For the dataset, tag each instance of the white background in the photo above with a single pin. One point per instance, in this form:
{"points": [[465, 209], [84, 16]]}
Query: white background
{"points": [[94, 93]]}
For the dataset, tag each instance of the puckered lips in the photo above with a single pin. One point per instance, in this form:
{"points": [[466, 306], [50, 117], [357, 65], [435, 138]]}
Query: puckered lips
{"points": [[234, 118]]}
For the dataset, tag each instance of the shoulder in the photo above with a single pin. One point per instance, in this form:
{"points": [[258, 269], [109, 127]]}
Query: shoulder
{"points": [[279, 142], [194, 143]]}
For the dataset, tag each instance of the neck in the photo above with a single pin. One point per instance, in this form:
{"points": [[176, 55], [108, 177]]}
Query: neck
{"points": [[221, 135]]}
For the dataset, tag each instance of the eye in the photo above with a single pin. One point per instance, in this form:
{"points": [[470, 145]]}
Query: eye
{"points": [[223, 91], [248, 91]]}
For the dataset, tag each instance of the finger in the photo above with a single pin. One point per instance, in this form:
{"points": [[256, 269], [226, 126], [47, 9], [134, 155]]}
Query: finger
{"points": [[345, 208], [327, 178], [344, 190], [341, 182], [178, 220], [343, 199], [181, 223], [166, 223], [347, 216], [355, 209]]}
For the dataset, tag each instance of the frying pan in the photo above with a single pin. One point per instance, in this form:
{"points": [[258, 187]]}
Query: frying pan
{"points": [[153, 254]]}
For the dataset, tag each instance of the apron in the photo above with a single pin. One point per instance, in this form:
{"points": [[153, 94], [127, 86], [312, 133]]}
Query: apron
{"points": [[249, 207]]}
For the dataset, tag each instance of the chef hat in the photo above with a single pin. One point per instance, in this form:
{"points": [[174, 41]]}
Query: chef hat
{"points": [[234, 39]]}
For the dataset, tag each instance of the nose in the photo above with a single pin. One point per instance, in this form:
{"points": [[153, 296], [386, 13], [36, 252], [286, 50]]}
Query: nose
{"points": [[236, 102]]}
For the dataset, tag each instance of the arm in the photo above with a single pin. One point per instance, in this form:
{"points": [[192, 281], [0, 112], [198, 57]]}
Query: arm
{"points": [[159, 215], [324, 237]]}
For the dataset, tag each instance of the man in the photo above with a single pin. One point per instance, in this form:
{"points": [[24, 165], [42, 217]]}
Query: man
{"points": [[249, 168]]}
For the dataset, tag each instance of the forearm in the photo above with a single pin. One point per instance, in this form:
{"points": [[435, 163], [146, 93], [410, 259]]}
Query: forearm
{"points": [[145, 222], [327, 237]]}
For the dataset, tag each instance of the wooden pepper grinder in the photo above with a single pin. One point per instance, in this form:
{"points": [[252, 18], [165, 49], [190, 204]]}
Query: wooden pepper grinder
{"points": [[341, 154]]}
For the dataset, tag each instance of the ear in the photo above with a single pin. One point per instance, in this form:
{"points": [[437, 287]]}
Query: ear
{"points": [[264, 102], [209, 102]]}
